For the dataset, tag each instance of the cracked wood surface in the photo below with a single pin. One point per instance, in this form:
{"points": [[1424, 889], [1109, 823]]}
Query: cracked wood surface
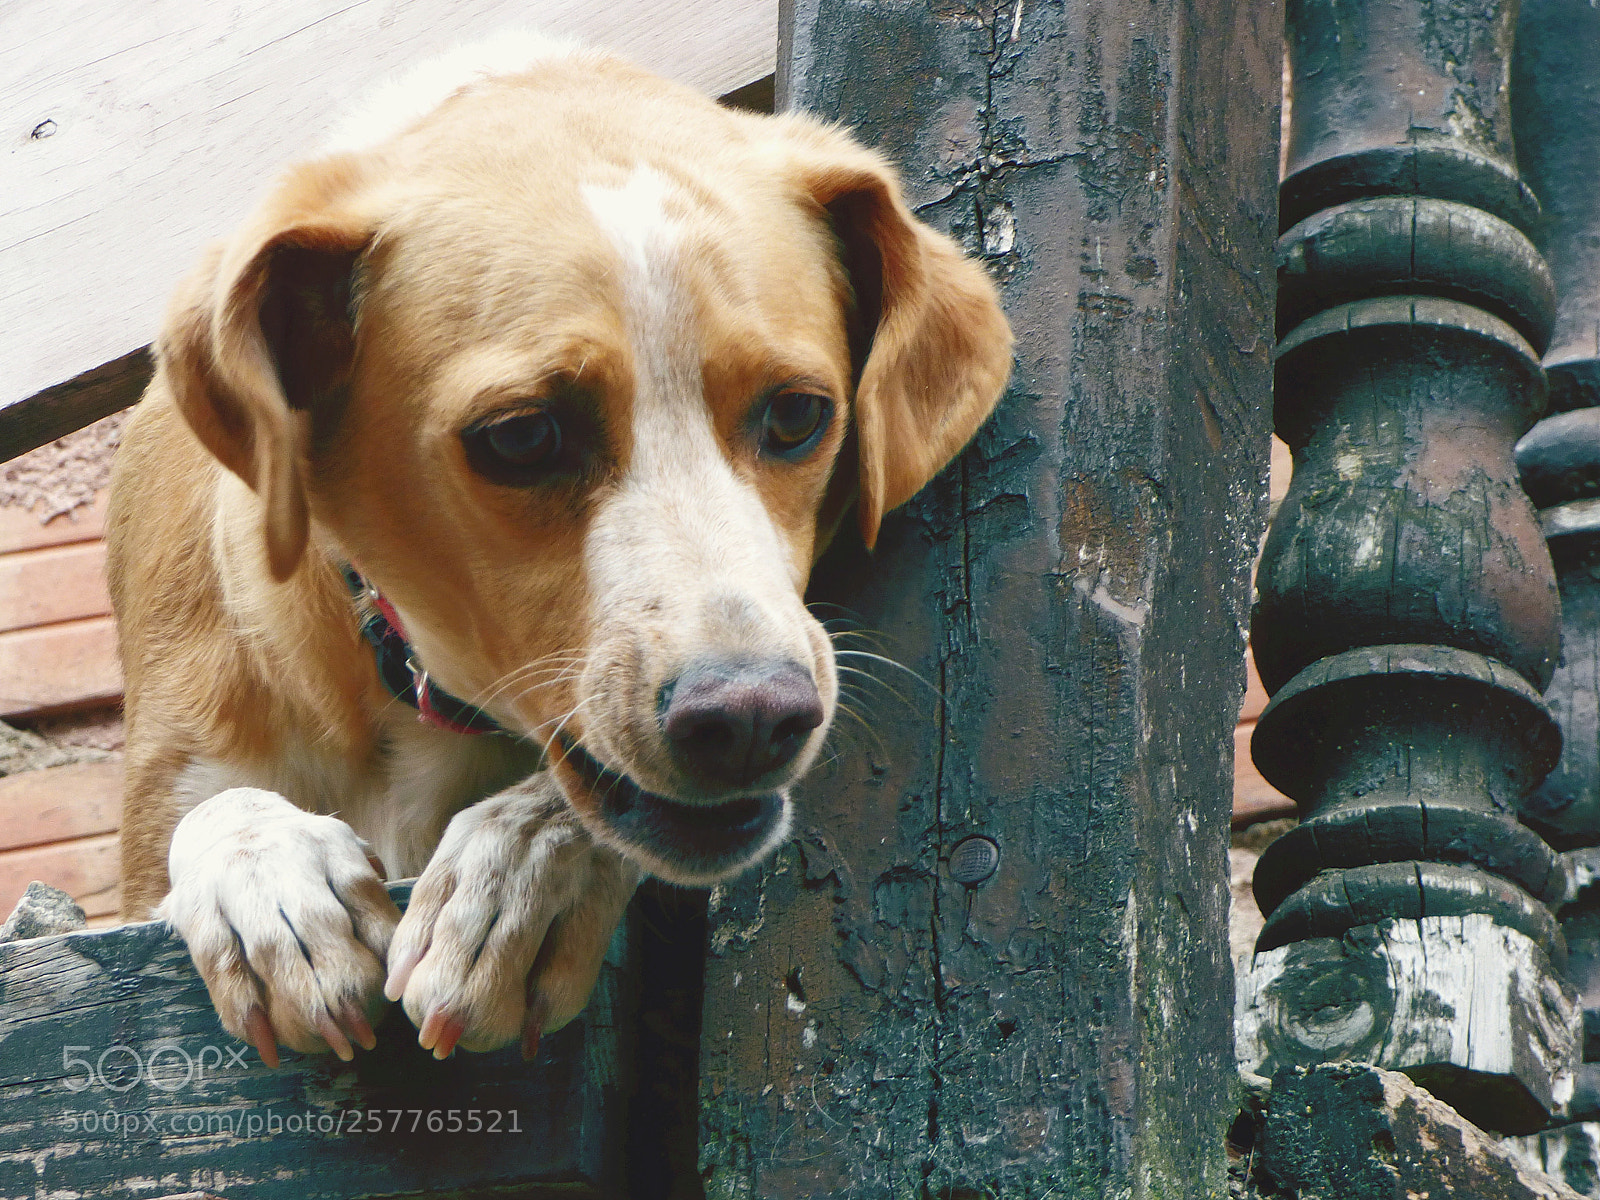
{"points": [[1072, 594], [199, 1112], [1460, 1003]]}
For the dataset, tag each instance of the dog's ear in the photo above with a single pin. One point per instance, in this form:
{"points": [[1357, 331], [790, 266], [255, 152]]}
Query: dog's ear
{"points": [[931, 348], [259, 343]]}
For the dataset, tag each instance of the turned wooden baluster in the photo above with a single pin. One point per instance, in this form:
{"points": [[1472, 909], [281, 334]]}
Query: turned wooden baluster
{"points": [[1407, 614], [1556, 85]]}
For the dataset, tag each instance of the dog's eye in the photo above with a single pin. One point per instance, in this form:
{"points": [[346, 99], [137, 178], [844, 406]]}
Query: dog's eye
{"points": [[516, 450], [792, 423], [524, 441]]}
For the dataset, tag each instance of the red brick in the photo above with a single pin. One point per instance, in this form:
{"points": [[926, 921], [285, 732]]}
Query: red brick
{"points": [[55, 667], [21, 529], [1254, 799], [86, 869], [53, 584], [58, 803], [1255, 696]]}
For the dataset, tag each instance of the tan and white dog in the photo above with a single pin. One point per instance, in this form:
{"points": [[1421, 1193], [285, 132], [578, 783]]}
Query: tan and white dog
{"points": [[564, 374]]}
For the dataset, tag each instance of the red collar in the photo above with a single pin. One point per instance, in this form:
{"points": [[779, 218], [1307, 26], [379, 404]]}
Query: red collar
{"points": [[403, 676]]}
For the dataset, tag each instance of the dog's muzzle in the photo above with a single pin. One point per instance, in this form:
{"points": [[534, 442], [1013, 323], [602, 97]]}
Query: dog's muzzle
{"points": [[692, 842]]}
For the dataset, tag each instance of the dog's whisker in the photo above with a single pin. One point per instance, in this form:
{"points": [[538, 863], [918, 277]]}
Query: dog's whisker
{"points": [[560, 663], [889, 662], [530, 682], [844, 612], [867, 636], [560, 723], [866, 677], [840, 733], [529, 670]]}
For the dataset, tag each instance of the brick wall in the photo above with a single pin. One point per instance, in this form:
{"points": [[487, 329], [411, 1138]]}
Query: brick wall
{"points": [[60, 685]]}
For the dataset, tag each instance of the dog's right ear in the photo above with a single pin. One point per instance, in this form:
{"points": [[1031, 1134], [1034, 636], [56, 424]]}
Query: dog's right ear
{"points": [[262, 336]]}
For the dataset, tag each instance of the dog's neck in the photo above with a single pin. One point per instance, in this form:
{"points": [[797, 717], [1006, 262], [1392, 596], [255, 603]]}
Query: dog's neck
{"points": [[403, 676]]}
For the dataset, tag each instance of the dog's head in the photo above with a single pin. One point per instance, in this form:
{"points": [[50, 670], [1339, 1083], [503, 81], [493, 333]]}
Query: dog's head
{"points": [[582, 371]]}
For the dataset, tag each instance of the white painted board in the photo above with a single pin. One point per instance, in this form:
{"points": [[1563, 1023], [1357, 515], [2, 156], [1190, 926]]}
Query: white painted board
{"points": [[131, 134]]}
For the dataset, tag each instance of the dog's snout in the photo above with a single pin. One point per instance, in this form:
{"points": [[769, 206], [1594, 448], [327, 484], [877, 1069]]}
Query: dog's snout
{"points": [[728, 724]]}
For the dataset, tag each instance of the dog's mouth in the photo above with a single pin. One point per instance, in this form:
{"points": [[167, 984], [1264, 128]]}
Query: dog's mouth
{"points": [[691, 843]]}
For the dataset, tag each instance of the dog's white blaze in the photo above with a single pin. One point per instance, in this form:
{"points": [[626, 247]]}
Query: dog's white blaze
{"points": [[713, 531], [395, 106]]}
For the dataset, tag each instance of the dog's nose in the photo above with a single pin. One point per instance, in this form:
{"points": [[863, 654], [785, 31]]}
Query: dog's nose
{"points": [[728, 724]]}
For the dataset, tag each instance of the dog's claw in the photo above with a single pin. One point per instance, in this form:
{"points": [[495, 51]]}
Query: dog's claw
{"points": [[355, 1024], [451, 1034], [428, 1035], [440, 1033], [334, 1036], [400, 972], [260, 1034], [533, 1025]]}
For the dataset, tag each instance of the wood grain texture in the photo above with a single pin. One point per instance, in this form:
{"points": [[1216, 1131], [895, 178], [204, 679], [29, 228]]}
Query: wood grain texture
{"points": [[1359, 1133], [133, 137], [30, 421], [1073, 593], [47, 586], [1570, 1153], [55, 667], [56, 804], [1460, 1003], [208, 1120]]}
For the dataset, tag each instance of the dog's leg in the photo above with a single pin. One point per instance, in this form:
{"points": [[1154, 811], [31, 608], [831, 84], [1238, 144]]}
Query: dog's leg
{"points": [[508, 925], [285, 918]]}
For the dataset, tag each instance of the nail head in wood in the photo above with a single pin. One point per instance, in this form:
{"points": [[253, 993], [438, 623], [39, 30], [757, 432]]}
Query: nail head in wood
{"points": [[974, 860]]}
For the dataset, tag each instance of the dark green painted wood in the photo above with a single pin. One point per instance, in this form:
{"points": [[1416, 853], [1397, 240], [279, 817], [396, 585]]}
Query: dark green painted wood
{"points": [[211, 1118], [1073, 591], [57, 411]]}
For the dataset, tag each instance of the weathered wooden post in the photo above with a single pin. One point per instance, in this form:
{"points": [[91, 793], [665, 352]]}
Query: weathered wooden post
{"points": [[993, 961], [1557, 108], [1556, 103], [1407, 615]]}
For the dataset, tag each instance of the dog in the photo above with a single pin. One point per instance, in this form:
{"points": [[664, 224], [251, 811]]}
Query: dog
{"points": [[464, 528]]}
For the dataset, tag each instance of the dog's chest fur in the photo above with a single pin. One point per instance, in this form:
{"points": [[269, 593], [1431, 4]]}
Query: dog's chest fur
{"points": [[398, 801]]}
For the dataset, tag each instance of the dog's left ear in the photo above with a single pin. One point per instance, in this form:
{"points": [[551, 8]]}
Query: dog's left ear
{"points": [[932, 348], [260, 341]]}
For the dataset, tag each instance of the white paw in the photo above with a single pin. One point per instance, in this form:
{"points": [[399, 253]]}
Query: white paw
{"points": [[285, 918], [508, 925]]}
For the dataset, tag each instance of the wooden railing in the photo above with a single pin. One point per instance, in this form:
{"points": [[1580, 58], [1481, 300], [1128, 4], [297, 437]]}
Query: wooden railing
{"points": [[1408, 618]]}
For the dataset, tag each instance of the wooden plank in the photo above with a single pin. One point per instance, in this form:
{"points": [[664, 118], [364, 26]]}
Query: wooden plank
{"points": [[87, 869], [1254, 799], [136, 136], [210, 1118], [21, 529], [57, 803], [1071, 590], [54, 667], [48, 586], [33, 420]]}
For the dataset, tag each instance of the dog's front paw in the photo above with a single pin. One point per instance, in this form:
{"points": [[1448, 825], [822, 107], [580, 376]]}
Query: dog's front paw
{"points": [[286, 920], [508, 925]]}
